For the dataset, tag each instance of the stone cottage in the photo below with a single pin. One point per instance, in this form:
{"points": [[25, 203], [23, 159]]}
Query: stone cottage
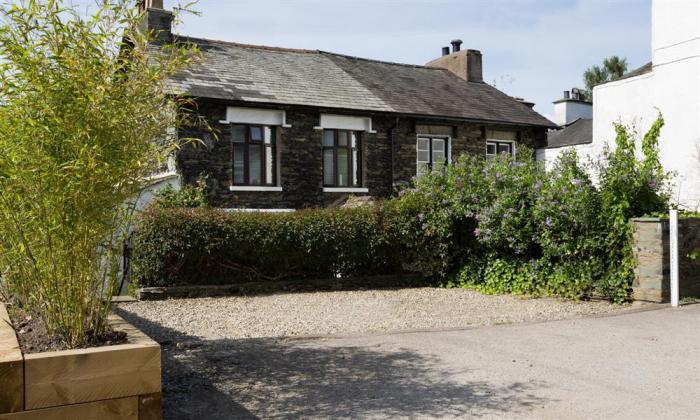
{"points": [[306, 128]]}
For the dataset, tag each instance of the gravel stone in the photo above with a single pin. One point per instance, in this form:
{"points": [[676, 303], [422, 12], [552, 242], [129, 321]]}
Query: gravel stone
{"points": [[350, 312]]}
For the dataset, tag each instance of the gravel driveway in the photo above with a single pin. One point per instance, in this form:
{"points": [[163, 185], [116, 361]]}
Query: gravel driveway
{"points": [[351, 312], [238, 357]]}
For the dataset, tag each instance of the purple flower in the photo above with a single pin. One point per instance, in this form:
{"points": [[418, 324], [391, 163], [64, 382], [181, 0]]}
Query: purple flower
{"points": [[548, 221], [421, 217], [577, 182], [477, 232]]}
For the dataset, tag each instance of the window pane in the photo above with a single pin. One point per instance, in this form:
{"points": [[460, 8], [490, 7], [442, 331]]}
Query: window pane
{"points": [[269, 165], [255, 165], [269, 138], [356, 166], [238, 164], [256, 134], [423, 156], [328, 166], [423, 144], [343, 170], [438, 152], [328, 138], [353, 140], [490, 148], [504, 148], [423, 150], [238, 133], [342, 138]]}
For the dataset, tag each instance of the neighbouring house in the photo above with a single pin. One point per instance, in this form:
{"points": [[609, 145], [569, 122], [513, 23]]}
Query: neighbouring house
{"points": [[305, 128], [669, 84]]}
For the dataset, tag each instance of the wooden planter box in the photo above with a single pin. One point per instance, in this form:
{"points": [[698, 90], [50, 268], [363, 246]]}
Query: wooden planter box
{"points": [[102, 383]]}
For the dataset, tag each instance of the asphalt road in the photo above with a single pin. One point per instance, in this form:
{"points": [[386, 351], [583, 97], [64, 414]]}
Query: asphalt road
{"points": [[642, 365]]}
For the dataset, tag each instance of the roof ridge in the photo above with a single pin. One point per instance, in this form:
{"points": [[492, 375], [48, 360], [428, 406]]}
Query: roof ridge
{"points": [[303, 51], [252, 46], [352, 57]]}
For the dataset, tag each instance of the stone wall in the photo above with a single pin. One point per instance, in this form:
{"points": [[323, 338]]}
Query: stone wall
{"points": [[651, 250], [300, 156]]}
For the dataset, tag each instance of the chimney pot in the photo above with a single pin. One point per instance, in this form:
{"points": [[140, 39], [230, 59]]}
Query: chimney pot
{"points": [[566, 94], [456, 45], [151, 4], [445, 51]]}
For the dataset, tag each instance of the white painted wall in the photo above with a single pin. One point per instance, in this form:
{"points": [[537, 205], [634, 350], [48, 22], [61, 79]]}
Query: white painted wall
{"points": [[673, 87]]}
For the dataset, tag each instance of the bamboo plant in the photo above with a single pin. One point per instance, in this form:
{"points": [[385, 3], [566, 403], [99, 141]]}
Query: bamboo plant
{"points": [[85, 119]]}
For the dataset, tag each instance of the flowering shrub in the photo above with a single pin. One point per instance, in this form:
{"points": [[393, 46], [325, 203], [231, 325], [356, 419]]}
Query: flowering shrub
{"points": [[546, 232]]}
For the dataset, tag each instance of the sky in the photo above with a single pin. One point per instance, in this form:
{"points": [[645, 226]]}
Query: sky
{"points": [[533, 49]]}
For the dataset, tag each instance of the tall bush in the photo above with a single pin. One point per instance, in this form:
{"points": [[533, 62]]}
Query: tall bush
{"points": [[629, 187], [82, 104], [546, 232]]}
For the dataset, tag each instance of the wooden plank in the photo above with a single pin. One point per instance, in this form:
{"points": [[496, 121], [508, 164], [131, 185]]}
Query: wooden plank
{"points": [[119, 409], [11, 367], [151, 407], [84, 375]]}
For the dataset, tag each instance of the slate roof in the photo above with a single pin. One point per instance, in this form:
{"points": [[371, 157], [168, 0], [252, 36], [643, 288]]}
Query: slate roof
{"points": [[578, 132], [259, 74]]}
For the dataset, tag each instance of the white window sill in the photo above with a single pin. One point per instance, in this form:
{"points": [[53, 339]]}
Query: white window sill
{"points": [[345, 190], [254, 188]]}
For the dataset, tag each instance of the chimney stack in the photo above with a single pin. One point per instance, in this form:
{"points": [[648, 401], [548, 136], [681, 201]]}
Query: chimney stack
{"points": [[474, 66], [156, 20], [466, 64], [572, 106]]}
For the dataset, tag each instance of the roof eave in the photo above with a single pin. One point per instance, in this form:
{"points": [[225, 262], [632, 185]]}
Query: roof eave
{"points": [[383, 112]]}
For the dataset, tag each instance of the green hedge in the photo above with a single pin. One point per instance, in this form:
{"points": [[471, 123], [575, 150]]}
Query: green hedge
{"points": [[210, 246]]}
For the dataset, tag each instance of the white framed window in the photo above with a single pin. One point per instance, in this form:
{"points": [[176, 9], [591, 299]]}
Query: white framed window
{"points": [[432, 152], [498, 147], [342, 159], [500, 142], [254, 155]]}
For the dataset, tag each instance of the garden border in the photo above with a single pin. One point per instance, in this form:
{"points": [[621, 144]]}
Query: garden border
{"points": [[112, 382]]}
